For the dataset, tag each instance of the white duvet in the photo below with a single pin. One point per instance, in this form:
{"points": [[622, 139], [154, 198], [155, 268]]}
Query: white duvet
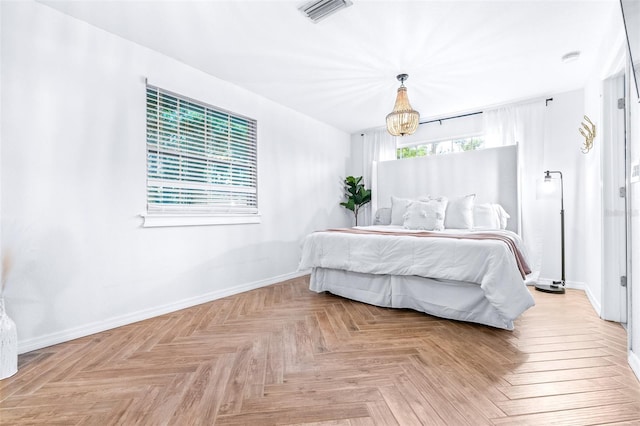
{"points": [[488, 263]]}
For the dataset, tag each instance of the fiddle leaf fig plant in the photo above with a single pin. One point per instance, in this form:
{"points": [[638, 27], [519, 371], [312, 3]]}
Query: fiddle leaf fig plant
{"points": [[357, 195]]}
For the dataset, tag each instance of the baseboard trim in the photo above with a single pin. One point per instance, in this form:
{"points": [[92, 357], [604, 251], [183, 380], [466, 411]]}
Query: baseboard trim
{"points": [[108, 324], [578, 285], [634, 363], [594, 302]]}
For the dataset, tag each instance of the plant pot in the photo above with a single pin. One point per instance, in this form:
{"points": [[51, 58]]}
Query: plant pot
{"points": [[8, 344]]}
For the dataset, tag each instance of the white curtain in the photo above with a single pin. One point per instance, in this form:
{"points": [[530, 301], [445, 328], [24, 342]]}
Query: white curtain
{"points": [[377, 145], [523, 125], [499, 127]]}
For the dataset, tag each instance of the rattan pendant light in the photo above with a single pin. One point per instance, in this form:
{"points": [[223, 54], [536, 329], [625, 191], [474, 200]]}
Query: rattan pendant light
{"points": [[403, 120]]}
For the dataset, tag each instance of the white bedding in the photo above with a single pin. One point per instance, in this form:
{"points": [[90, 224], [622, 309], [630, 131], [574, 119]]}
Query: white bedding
{"points": [[486, 263]]}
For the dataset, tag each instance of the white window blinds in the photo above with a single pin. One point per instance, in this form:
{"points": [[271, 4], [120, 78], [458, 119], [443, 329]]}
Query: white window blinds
{"points": [[200, 159]]}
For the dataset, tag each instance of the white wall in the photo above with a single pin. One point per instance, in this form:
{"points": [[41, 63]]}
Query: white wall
{"points": [[1, 263], [73, 183]]}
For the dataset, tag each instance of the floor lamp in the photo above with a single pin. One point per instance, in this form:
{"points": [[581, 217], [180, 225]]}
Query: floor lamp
{"points": [[556, 287]]}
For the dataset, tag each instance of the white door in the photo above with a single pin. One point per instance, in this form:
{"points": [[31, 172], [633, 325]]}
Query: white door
{"points": [[614, 293]]}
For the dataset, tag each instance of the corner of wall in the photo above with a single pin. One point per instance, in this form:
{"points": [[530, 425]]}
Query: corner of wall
{"points": [[578, 285], [634, 363], [595, 302]]}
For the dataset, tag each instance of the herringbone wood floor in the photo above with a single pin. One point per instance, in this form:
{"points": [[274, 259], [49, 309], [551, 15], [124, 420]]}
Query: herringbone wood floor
{"points": [[285, 355]]}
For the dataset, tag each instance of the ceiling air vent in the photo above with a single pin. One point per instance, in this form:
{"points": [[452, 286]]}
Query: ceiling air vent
{"points": [[320, 9]]}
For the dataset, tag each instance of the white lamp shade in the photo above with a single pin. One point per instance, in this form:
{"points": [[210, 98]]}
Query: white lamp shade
{"points": [[547, 189]]}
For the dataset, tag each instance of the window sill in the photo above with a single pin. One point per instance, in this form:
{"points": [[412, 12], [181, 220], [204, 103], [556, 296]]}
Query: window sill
{"points": [[160, 220]]}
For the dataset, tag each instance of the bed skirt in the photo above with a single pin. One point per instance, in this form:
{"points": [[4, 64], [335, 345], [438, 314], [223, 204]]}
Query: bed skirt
{"points": [[446, 299]]}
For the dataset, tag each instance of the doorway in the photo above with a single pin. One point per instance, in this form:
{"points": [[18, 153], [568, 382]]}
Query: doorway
{"points": [[614, 268]]}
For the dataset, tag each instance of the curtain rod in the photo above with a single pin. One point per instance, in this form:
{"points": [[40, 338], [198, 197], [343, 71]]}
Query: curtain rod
{"points": [[450, 118], [440, 120]]}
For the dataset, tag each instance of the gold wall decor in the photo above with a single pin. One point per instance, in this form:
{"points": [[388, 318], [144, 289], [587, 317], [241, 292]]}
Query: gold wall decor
{"points": [[589, 132]]}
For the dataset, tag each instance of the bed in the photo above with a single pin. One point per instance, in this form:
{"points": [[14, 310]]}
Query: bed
{"points": [[444, 264]]}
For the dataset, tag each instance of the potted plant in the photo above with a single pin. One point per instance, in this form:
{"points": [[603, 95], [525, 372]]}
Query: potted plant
{"points": [[357, 195]]}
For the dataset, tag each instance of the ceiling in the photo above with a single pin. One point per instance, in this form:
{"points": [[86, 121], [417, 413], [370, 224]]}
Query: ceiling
{"points": [[461, 56]]}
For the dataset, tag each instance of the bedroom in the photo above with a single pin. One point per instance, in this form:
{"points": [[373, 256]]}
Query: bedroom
{"points": [[74, 179]]}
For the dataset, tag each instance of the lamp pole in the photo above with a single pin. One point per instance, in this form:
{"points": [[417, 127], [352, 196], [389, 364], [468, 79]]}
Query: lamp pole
{"points": [[556, 286], [562, 278]]}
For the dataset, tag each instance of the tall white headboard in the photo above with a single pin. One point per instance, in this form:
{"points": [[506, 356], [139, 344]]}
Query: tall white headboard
{"points": [[491, 174]]}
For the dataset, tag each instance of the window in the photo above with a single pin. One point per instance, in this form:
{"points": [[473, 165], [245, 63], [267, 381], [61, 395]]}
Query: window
{"points": [[441, 147], [200, 160]]}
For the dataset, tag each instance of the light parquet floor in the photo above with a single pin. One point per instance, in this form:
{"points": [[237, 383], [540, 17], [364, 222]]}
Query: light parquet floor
{"points": [[284, 355]]}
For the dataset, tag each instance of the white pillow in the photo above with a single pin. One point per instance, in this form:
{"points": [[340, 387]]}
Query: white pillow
{"points": [[459, 214], [485, 216], [502, 215], [398, 209], [425, 215], [383, 216], [489, 216]]}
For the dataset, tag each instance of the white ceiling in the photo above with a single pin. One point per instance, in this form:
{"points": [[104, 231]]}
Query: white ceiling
{"points": [[460, 55]]}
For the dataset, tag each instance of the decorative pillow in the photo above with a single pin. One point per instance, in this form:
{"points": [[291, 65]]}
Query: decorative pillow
{"points": [[398, 209], [485, 216], [383, 216], [425, 215], [459, 214]]}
